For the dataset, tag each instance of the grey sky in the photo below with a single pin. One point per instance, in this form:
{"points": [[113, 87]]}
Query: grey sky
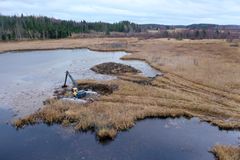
{"points": [[139, 11]]}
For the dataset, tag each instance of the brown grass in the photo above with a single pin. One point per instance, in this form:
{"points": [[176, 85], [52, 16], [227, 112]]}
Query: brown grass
{"points": [[226, 152], [133, 101], [99, 44]]}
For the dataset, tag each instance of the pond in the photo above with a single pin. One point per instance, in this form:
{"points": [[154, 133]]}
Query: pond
{"points": [[28, 78]]}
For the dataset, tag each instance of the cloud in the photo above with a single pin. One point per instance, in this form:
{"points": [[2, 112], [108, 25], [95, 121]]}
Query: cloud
{"points": [[150, 11]]}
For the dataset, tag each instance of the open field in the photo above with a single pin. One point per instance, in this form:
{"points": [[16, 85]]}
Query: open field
{"points": [[201, 79]]}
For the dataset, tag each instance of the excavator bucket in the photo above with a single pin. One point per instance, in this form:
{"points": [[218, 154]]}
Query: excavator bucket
{"points": [[64, 86]]}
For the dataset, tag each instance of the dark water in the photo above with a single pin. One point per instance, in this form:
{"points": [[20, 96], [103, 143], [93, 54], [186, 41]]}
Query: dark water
{"points": [[168, 139]]}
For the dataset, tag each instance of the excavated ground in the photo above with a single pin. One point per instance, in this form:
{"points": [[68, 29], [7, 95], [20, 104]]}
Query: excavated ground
{"points": [[112, 68]]}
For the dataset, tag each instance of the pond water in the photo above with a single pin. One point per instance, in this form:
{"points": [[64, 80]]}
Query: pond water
{"points": [[150, 139], [28, 78]]}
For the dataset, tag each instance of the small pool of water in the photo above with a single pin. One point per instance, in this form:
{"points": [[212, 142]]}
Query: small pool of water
{"points": [[150, 139], [28, 78]]}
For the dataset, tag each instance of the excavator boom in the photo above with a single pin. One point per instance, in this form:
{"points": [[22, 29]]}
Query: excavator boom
{"points": [[70, 76]]}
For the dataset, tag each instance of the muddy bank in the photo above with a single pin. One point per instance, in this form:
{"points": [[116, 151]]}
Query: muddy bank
{"points": [[112, 68], [100, 88]]}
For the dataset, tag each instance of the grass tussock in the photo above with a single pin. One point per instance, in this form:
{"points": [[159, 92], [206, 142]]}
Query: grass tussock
{"points": [[106, 133], [226, 152]]}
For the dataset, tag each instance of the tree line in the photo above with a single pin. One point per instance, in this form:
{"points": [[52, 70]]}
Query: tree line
{"points": [[196, 34], [39, 27]]}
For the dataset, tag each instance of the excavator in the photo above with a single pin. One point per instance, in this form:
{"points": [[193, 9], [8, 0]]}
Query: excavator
{"points": [[76, 93]]}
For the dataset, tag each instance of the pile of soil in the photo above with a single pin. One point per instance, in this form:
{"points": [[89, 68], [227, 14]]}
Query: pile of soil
{"points": [[112, 68], [100, 88]]}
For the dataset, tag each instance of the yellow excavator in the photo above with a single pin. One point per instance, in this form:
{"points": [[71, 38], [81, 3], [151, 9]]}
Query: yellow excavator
{"points": [[76, 93]]}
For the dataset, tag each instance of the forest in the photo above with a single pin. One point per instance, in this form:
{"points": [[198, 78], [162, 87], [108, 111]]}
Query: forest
{"points": [[41, 27]]}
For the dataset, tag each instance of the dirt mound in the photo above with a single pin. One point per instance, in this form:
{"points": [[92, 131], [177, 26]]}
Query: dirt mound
{"points": [[112, 68], [100, 88]]}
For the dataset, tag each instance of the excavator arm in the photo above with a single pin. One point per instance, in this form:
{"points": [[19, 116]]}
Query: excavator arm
{"points": [[70, 76]]}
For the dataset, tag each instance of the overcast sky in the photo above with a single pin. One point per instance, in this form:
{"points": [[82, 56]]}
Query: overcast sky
{"points": [[139, 11]]}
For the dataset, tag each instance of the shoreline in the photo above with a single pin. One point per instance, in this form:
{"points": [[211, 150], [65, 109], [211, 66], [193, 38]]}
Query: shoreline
{"points": [[71, 48], [52, 44]]}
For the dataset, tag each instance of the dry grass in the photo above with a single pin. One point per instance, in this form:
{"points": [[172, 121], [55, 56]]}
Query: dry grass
{"points": [[226, 152], [210, 62], [163, 97], [100, 44]]}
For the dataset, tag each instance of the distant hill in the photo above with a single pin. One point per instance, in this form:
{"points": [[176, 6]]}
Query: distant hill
{"points": [[38, 27]]}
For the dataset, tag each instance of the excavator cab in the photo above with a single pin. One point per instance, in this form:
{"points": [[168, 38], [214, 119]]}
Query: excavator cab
{"points": [[76, 93]]}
